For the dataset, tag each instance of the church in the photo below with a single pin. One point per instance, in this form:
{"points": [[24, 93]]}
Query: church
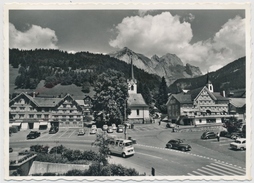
{"points": [[136, 103]]}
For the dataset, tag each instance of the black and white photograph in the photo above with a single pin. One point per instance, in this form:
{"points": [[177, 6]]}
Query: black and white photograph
{"points": [[145, 93]]}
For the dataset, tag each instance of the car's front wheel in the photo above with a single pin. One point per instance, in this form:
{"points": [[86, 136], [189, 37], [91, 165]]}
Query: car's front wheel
{"points": [[183, 149], [124, 155], [242, 148], [169, 146]]}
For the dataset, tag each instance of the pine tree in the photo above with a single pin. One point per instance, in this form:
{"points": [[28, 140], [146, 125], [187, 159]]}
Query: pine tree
{"points": [[162, 96]]}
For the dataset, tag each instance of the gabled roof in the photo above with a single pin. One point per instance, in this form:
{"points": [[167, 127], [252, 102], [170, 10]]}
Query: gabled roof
{"points": [[136, 100], [219, 97], [46, 102], [237, 102], [183, 98], [80, 102], [194, 93]]}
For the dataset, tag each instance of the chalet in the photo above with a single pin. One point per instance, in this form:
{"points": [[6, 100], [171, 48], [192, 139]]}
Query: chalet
{"points": [[31, 112], [198, 106]]}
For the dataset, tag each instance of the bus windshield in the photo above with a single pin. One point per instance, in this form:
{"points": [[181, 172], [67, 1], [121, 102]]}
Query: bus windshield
{"points": [[127, 144]]}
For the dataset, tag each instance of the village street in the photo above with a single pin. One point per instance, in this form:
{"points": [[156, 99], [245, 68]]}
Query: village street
{"points": [[207, 157]]}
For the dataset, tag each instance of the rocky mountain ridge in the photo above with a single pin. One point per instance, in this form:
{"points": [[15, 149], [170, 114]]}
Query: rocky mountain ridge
{"points": [[169, 65]]}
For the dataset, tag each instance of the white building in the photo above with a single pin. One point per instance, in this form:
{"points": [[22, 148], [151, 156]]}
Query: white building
{"points": [[136, 102]]}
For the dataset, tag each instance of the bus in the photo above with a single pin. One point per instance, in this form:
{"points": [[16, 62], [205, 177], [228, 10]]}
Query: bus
{"points": [[121, 147]]}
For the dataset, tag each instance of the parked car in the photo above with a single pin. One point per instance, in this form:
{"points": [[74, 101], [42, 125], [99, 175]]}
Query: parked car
{"points": [[114, 126], [105, 127], [110, 130], [178, 144], [93, 131], [236, 135], [33, 135], [239, 144], [208, 135], [53, 130], [10, 150], [24, 152], [119, 129], [225, 134], [81, 132], [94, 127]]}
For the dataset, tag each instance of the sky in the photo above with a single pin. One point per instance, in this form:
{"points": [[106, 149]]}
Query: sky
{"points": [[208, 39]]}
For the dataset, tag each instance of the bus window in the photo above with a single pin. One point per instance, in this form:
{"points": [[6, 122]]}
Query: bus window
{"points": [[117, 142], [127, 144]]}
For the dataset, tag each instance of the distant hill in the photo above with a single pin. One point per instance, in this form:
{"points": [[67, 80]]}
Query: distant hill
{"points": [[170, 66], [54, 68], [230, 77]]}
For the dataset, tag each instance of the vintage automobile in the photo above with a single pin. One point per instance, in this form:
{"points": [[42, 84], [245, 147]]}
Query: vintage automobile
{"points": [[120, 128], [178, 144], [208, 135], [105, 127], [113, 126], [110, 130], [10, 150], [81, 132], [33, 135], [239, 144], [93, 131]]}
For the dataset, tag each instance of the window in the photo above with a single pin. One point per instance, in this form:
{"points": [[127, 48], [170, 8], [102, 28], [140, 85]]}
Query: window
{"points": [[22, 108], [31, 116], [38, 115], [46, 116], [132, 87], [137, 112], [21, 116], [75, 123], [13, 108], [67, 123]]}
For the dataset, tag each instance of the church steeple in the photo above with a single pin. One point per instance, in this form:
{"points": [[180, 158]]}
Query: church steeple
{"points": [[132, 72], [209, 83], [132, 82]]}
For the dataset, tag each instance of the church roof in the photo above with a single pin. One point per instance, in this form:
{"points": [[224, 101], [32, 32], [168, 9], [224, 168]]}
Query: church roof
{"points": [[136, 100]]}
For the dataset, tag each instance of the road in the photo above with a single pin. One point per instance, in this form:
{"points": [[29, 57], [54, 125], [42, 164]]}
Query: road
{"points": [[207, 158]]}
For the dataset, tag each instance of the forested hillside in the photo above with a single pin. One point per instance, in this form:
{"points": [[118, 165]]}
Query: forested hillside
{"points": [[59, 67], [229, 77]]}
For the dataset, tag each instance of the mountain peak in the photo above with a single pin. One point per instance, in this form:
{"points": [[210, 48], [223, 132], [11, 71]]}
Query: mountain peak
{"points": [[171, 59]]}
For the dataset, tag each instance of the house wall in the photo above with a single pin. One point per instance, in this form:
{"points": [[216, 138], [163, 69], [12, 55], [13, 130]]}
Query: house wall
{"points": [[173, 108], [68, 113], [143, 113]]}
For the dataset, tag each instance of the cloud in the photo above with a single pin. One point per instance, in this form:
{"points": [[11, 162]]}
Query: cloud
{"points": [[34, 37], [152, 34], [143, 12], [189, 18], [164, 33]]}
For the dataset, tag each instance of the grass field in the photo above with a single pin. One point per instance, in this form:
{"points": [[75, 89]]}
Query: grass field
{"points": [[72, 89]]}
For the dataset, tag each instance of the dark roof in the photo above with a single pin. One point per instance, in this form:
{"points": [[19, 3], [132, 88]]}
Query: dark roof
{"points": [[194, 93], [46, 102], [183, 98], [237, 102], [219, 97], [240, 93], [137, 100]]}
